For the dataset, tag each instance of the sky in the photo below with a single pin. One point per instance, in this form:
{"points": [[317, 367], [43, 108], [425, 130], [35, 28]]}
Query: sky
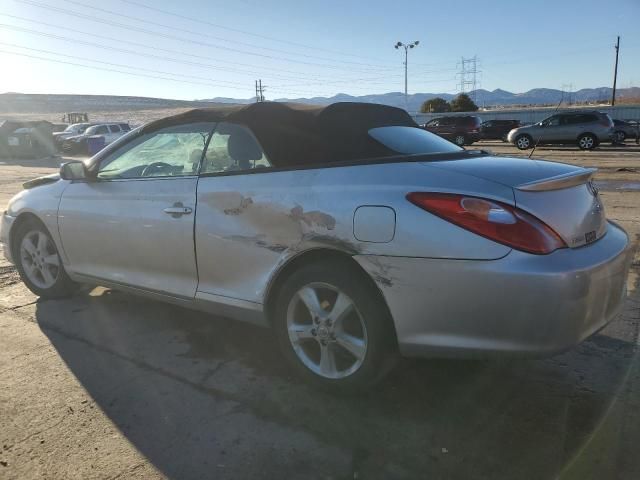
{"points": [[196, 49]]}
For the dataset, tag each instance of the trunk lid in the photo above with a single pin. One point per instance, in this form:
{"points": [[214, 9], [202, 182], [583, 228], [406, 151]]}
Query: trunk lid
{"points": [[563, 196]]}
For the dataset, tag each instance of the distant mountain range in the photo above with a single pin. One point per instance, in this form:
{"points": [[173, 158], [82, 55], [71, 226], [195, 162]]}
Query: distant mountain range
{"points": [[537, 96], [24, 103]]}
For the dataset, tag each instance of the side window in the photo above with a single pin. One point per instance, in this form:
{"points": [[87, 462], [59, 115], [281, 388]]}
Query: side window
{"points": [[233, 148], [434, 123], [169, 152], [101, 130], [114, 128], [552, 121]]}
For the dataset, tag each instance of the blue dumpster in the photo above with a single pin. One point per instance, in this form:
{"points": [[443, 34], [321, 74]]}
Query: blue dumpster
{"points": [[95, 143]]}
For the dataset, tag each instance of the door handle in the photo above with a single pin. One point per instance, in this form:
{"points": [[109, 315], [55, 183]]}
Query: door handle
{"points": [[177, 210]]}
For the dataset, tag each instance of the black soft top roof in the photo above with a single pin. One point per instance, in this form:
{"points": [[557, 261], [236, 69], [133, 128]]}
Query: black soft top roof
{"points": [[299, 134]]}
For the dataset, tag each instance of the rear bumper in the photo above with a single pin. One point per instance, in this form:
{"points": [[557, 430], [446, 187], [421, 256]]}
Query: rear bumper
{"points": [[519, 304], [5, 226]]}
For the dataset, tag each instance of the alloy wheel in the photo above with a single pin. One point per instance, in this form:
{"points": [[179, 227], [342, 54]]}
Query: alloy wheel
{"points": [[586, 142], [523, 143], [459, 140], [39, 259], [326, 330]]}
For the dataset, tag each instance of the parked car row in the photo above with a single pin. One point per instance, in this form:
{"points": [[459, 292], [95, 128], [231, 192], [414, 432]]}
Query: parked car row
{"points": [[585, 128], [75, 138], [467, 129]]}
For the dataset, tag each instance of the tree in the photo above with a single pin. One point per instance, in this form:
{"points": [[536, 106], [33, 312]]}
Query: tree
{"points": [[463, 103], [435, 105]]}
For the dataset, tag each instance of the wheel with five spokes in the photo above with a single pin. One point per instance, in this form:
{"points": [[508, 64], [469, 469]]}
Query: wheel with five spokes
{"points": [[38, 262], [333, 327]]}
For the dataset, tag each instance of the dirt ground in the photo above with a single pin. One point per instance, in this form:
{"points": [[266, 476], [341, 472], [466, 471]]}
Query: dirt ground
{"points": [[107, 385]]}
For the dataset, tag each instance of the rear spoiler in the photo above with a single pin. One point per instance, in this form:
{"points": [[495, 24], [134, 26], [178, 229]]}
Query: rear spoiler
{"points": [[558, 182]]}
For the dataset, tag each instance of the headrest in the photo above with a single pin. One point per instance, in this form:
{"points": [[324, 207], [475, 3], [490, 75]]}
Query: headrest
{"points": [[242, 146]]}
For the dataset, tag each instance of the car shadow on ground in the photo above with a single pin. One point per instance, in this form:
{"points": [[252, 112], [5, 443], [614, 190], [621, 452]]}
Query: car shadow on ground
{"points": [[192, 392]]}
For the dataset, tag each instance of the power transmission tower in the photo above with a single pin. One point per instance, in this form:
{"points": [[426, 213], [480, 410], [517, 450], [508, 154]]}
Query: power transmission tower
{"points": [[469, 76], [260, 91], [615, 73]]}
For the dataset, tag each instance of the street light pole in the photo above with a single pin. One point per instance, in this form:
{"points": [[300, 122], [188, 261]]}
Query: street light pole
{"points": [[406, 62]]}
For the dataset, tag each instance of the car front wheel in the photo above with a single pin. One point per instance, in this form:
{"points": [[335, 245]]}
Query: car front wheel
{"points": [[460, 140], [620, 136], [39, 263], [523, 142], [333, 327], [587, 141]]}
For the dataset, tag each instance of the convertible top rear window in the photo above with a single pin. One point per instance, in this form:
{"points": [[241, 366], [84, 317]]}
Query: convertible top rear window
{"points": [[412, 140]]}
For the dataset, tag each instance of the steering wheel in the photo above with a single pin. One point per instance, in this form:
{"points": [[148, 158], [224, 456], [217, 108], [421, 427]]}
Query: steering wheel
{"points": [[153, 166]]}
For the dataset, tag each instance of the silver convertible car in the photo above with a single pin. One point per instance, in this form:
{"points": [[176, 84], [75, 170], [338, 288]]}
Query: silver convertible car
{"points": [[352, 233]]}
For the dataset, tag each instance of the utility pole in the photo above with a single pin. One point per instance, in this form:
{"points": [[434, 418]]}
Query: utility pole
{"points": [[615, 73], [260, 91], [406, 61]]}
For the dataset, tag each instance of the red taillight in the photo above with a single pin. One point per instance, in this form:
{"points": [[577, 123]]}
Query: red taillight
{"points": [[494, 220]]}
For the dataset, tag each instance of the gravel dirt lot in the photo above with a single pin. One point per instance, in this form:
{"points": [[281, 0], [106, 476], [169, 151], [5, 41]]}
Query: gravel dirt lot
{"points": [[107, 385]]}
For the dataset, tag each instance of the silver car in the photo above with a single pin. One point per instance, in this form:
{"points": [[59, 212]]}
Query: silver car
{"points": [[584, 128], [354, 234]]}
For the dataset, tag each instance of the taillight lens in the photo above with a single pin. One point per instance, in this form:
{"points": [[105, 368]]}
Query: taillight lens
{"points": [[494, 220]]}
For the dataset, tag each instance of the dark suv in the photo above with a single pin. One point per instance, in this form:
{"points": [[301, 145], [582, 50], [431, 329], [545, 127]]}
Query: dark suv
{"points": [[497, 129], [460, 130]]}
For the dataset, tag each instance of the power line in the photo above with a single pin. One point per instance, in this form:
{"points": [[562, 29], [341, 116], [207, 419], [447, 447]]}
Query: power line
{"points": [[121, 65], [209, 83], [110, 47], [174, 37], [92, 67], [253, 34], [201, 34], [143, 54]]}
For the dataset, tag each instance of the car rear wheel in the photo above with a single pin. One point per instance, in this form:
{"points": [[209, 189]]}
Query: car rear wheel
{"points": [[333, 328], [39, 263], [523, 142], [587, 141], [460, 140], [620, 136]]}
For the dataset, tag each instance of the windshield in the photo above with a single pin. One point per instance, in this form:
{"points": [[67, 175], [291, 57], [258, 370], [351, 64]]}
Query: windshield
{"points": [[412, 140]]}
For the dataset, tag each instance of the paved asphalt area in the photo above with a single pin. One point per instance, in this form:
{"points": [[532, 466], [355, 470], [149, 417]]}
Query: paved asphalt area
{"points": [[107, 385]]}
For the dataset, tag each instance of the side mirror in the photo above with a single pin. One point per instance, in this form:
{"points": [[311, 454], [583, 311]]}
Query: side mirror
{"points": [[73, 170]]}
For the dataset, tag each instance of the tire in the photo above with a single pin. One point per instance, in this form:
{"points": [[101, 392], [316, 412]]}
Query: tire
{"points": [[524, 142], [504, 138], [319, 349], [460, 140], [587, 141], [38, 262], [619, 136]]}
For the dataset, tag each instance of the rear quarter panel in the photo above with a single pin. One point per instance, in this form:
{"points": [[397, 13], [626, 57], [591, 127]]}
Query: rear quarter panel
{"points": [[248, 226]]}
